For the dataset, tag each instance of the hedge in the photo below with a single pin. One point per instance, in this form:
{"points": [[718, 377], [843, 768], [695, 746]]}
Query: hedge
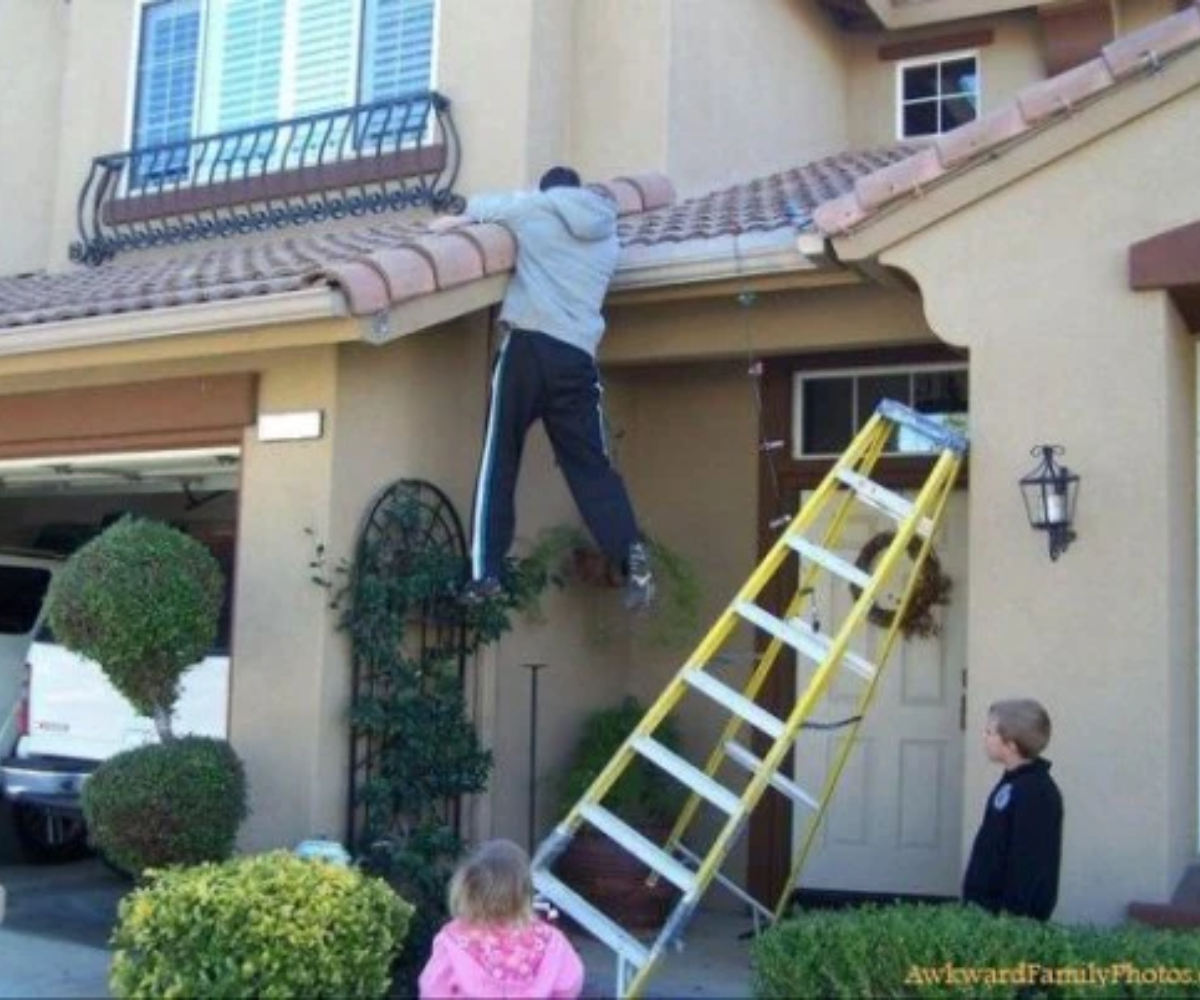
{"points": [[938, 951]]}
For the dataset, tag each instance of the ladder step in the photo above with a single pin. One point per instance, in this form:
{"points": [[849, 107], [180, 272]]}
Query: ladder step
{"points": [[799, 635], [687, 774], [591, 919], [882, 499], [637, 845], [831, 561], [739, 754], [739, 705], [821, 644]]}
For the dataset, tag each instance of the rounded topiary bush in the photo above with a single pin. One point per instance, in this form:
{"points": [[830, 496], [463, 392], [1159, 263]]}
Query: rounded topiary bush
{"points": [[142, 600], [266, 926], [173, 803]]}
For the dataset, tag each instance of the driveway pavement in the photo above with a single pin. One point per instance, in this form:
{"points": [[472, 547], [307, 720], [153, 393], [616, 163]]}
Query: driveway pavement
{"points": [[53, 940]]}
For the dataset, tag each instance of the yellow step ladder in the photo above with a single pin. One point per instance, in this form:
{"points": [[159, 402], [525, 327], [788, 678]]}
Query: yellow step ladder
{"points": [[732, 780]]}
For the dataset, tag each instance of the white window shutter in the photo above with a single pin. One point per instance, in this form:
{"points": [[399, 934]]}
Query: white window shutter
{"points": [[166, 82], [397, 47], [250, 34], [326, 54]]}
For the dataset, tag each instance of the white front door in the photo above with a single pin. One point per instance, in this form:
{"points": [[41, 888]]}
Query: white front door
{"points": [[893, 825]]}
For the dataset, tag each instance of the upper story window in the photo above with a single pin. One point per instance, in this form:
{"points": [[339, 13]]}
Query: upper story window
{"points": [[209, 66], [936, 95], [832, 406]]}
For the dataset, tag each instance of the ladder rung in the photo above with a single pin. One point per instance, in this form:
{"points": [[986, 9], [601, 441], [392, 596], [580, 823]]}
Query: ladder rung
{"points": [[741, 755], [832, 562], [882, 499], [820, 645], [637, 845], [797, 634], [687, 774], [759, 718], [591, 919]]}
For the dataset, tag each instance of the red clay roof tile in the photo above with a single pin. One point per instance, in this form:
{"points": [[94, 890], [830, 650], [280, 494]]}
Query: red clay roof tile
{"points": [[380, 263]]}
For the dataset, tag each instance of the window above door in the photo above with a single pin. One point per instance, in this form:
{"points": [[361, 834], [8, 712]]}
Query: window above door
{"points": [[830, 407], [937, 94]]}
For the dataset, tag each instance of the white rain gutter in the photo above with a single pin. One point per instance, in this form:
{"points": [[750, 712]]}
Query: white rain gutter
{"points": [[319, 302], [723, 257]]}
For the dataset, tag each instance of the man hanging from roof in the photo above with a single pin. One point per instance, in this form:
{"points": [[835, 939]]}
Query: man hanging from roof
{"points": [[567, 250]]}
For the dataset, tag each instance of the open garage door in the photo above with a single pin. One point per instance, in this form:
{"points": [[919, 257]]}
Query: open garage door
{"points": [[56, 503]]}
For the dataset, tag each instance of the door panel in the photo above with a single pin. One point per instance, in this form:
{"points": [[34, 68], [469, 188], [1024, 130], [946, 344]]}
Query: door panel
{"points": [[893, 825]]}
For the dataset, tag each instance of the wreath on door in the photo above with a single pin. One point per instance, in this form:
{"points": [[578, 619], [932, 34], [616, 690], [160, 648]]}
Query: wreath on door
{"points": [[932, 589]]}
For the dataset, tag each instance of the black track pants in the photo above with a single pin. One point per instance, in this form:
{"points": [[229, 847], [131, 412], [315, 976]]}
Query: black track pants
{"points": [[536, 376]]}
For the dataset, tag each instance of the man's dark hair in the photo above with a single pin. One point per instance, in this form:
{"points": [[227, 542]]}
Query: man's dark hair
{"points": [[559, 177]]}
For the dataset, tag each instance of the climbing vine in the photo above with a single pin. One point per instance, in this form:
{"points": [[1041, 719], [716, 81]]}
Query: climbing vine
{"points": [[410, 634]]}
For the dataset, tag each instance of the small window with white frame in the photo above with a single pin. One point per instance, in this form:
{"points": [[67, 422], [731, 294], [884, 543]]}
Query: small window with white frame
{"points": [[830, 407], [935, 95]]}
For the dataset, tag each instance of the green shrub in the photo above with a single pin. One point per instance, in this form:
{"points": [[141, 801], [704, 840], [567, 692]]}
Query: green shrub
{"points": [[266, 926], [142, 600], [952, 950], [164, 804]]}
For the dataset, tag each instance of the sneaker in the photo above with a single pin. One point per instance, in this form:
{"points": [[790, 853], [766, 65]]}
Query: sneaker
{"points": [[479, 591], [639, 579]]}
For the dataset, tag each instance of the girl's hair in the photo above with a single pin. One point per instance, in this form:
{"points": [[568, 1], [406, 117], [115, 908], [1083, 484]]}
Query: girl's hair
{"points": [[493, 885], [1024, 722]]}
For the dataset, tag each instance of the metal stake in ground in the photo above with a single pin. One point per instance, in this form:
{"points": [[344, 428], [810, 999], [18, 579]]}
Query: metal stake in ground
{"points": [[533, 669]]}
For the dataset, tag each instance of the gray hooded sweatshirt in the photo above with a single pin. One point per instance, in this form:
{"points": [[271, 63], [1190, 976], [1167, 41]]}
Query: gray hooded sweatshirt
{"points": [[567, 252]]}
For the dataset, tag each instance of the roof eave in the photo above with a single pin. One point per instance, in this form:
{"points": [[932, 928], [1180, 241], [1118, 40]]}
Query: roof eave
{"points": [[692, 268], [321, 302]]}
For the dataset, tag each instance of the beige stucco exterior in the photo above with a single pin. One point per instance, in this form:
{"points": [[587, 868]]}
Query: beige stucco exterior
{"points": [[1021, 262], [29, 117]]}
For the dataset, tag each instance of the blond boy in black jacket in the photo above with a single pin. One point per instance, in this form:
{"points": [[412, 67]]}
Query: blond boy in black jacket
{"points": [[1014, 864]]}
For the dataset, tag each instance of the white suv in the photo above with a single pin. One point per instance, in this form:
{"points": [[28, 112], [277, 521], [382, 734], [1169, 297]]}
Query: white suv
{"points": [[24, 579]]}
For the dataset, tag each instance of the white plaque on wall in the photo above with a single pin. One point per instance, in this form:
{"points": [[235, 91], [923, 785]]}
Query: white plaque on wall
{"points": [[299, 425]]}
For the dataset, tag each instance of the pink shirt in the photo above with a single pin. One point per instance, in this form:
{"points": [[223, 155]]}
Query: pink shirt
{"points": [[531, 962]]}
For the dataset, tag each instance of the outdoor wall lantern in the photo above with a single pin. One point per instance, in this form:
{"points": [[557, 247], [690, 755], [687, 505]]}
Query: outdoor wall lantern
{"points": [[1050, 492]]}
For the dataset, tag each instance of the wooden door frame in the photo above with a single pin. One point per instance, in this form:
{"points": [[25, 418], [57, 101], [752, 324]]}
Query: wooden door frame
{"points": [[779, 477]]}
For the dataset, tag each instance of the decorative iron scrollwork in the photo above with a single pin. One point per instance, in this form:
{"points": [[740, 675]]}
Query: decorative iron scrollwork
{"points": [[385, 156]]}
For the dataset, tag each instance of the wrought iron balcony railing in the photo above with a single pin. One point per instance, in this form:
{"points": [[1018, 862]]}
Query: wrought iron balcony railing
{"points": [[372, 158]]}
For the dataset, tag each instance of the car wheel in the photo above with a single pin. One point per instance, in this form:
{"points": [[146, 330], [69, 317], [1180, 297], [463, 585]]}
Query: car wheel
{"points": [[49, 836]]}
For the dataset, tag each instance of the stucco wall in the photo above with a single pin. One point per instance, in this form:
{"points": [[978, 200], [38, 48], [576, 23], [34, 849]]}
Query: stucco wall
{"points": [[96, 79], [754, 88], [29, 121], [285, 642], [620, 89], [780, 323], [1063, 351]]}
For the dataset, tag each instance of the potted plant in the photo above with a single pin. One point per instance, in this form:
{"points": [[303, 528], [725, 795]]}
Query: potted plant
{"points": [[564, 555], [644, 797]]}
